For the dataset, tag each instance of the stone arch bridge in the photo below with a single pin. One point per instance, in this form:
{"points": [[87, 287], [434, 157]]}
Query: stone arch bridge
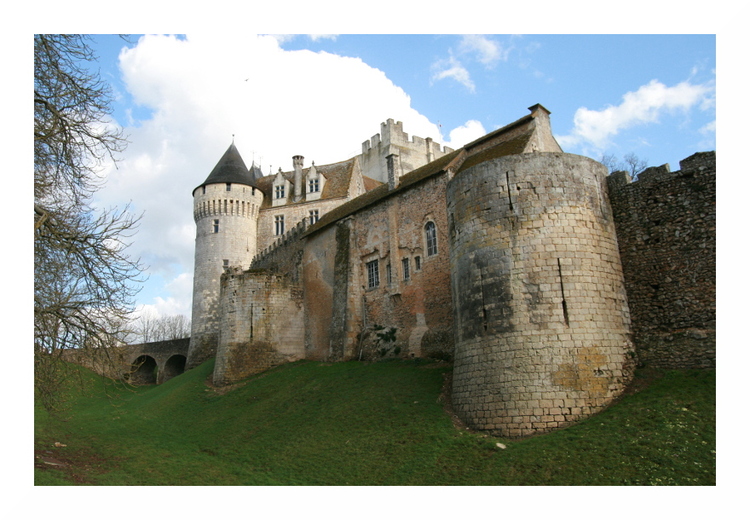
{"points": [[156, 362], [140, 364]]}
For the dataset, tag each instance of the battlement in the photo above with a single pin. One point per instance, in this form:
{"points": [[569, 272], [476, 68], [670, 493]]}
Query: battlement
{"points": [[666, 229], [293, 235], [393, 133], [697, 164]]}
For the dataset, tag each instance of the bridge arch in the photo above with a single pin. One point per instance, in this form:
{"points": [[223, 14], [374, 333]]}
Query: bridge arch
{"points": [[174, 366], [144, 371]]}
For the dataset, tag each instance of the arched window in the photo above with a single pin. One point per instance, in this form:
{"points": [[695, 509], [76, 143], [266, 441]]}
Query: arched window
{"points": [[430, 234]]}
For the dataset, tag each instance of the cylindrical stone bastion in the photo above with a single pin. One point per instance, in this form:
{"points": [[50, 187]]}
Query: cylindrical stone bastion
{"points": [[542, 328]]}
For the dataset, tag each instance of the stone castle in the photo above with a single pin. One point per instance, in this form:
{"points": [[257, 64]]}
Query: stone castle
{"points": [[544, 279]]}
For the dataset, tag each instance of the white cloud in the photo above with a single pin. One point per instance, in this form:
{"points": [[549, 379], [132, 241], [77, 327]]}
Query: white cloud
{"points": [[200, 91], [709, 128], [316, 37], [487, 51], [453, 69], [465, 134], [643, 106]]}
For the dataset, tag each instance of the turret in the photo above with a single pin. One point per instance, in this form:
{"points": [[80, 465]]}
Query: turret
{"points": [[225, 209]]}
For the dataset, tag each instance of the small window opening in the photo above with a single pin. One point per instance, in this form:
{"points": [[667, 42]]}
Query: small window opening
{"points": [[373, 275], [431, 238]]}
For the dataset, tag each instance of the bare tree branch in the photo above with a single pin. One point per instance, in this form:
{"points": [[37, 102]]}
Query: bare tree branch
{"points": [[84, 282]]}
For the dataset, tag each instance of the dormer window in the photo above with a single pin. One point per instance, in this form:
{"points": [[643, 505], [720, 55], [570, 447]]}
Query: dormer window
{"points": [[313, 185], [280, 192]]}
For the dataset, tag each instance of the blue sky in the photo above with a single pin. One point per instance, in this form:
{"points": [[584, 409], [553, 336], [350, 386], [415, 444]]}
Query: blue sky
{"points": [[183, 99]]}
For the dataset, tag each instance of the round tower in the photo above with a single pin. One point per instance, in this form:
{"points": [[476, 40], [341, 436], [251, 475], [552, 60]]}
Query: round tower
{"points": [[225, 209], [542, 327]]}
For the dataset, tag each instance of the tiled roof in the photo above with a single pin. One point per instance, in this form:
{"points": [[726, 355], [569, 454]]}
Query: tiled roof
{"points": [[381, 192], [502, 147], [230, 168], [338, 178]]}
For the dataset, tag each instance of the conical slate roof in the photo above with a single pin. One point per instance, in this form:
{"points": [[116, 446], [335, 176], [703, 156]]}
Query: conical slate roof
{"points": [[231, 168]]}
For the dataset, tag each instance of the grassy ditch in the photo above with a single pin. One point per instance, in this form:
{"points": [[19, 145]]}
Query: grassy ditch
{"points": [[363, 424]]}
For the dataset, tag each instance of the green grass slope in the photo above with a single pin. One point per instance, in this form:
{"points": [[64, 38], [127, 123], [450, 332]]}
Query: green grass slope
{"points": [[362, 424]]}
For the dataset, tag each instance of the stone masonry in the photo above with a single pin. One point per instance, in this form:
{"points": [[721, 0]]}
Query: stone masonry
{"points": [[505, 255], [666, 227], [541, 319]]}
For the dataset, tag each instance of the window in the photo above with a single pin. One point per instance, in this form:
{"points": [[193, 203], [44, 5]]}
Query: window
{"points": [[229, 186], [373, 276], [314, 216], [216, 226], [279, 224], [405, 267], [226, 263], [431, 237], [313, 185], [417, 263], [280, 192], [388, 277], [204, 190]]}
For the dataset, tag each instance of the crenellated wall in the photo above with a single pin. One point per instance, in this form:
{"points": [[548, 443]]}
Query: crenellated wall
{"points": [[509, 256], [392, 140], [666, 227]]}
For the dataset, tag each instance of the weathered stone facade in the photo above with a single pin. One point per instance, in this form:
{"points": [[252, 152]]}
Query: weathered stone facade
{"points": [[141, 364], [261, 323], [226, 219], [666, 227], [393, 141], [502, 255], [541, 319]]}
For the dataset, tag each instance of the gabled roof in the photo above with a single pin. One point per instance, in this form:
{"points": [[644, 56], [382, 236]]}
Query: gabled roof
{"points": [[231, 168], [338, 178], [525, 135]]}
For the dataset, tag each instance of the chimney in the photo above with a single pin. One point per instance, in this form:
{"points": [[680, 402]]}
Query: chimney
{"points": [[298, 160], [393, 173]]}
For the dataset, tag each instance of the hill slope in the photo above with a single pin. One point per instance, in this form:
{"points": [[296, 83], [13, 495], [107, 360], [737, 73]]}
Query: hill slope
{"points": [[362, 424]]}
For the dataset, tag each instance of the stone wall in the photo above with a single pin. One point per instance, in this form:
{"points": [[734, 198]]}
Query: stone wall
{"points": [[226, 227], [413, 292], [293, 214], [541, 325], [284, 255], [666, 228], [411, 153], [141, 363], [262, 323]]}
